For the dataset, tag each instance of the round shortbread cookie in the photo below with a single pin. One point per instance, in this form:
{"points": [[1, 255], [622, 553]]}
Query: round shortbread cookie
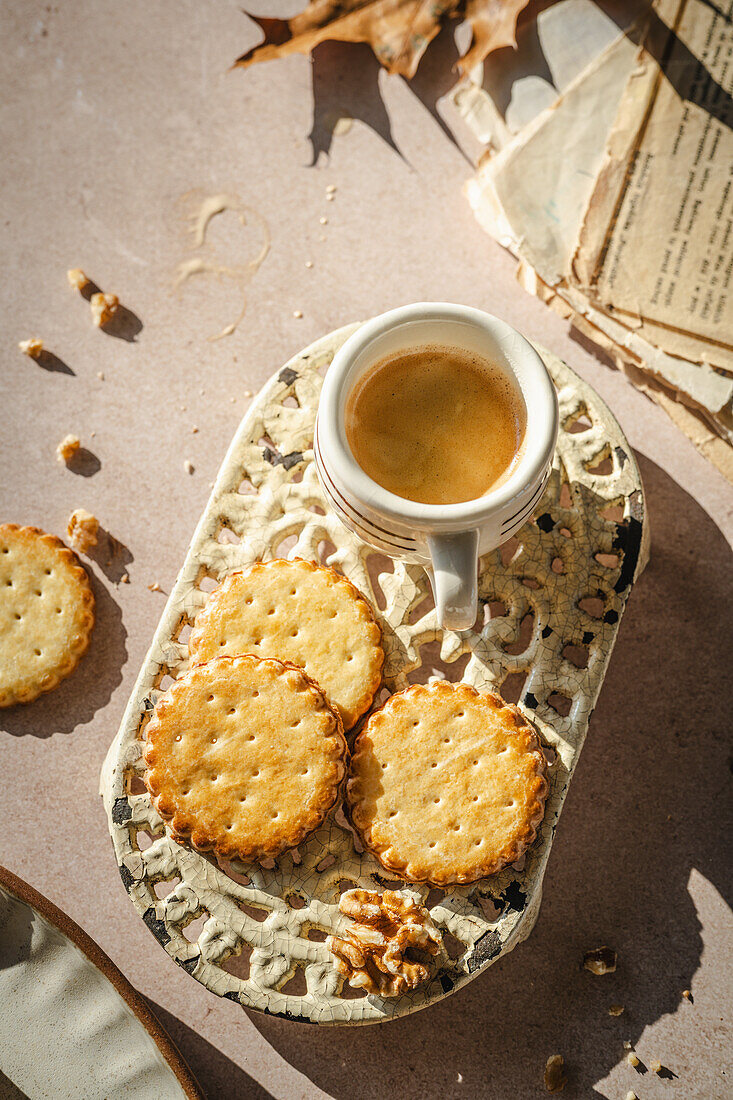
{"points": [[446, 784], [302, 613], [46, 613], [244, 756]]}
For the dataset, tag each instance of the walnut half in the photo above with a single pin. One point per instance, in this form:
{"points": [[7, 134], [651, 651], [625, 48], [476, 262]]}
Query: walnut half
{"points": [[373, 954]]}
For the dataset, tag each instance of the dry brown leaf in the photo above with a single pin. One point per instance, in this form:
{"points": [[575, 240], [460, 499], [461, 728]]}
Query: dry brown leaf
{"points": [[494, 25], [398, 31]]}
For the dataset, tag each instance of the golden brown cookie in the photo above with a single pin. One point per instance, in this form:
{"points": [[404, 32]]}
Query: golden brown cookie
{"points": [[446, 785], [46, 613], [244, 756], [298, 612]]}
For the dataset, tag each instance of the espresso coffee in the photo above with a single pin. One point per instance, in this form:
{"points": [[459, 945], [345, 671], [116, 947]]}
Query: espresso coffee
{"points": [[437, 425]]}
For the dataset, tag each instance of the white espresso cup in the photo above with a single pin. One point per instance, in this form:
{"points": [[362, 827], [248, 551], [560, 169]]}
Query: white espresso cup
{"points": [[446, 539]]}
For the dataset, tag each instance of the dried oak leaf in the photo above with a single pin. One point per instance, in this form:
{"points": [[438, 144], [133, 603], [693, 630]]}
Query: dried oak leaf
{"points": [[398, 31]]}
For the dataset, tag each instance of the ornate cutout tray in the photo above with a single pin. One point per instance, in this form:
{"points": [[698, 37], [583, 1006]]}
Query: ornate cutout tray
{"points": [[550, 605]]}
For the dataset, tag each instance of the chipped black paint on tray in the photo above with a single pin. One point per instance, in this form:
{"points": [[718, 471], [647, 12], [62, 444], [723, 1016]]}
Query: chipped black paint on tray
{"points": [[288, 461], [545, 522], [156, 926], [486, 947], [189, 964], [127, 877], [121, 811], [627, 541], [588, 637], [611, 616], [287, 375], [530, 701], [514, 897], [622, 456], [546, 631], [446, 984]]}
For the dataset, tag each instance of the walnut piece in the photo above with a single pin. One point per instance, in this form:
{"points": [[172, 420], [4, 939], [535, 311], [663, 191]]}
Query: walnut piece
{"points": [[67, 448], [32, 347], [373, 954], [104, 307], [77, 278], [600, 961], [82, 530], [555, 1079]]}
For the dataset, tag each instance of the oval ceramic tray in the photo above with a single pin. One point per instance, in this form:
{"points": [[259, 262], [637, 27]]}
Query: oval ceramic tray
{"points": [[71, 1024], [550, 605]]}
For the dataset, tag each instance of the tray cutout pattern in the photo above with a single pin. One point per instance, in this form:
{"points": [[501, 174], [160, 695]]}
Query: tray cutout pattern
{"points": [[550, 605]]}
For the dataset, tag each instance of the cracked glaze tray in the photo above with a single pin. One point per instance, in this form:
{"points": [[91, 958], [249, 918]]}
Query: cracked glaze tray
{"points": [[550, 604]]}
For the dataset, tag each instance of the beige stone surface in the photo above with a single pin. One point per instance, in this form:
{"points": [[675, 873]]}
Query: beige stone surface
{"points": [[108, 117]]}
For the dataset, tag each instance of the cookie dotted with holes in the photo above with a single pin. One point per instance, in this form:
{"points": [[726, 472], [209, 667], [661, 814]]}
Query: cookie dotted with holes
{"points": [[446, 784], [244, 756], [299, 612], [46, 613]]}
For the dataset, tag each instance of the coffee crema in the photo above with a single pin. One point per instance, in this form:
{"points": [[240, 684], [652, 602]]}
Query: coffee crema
{"points": [[437, 425]]}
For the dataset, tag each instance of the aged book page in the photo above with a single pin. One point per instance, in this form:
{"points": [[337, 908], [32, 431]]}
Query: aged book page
{"points": [[532, 197], [656, 247], [535, 196]]}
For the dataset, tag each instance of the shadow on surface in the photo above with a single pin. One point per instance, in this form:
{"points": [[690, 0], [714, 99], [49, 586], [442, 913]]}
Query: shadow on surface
{"points": [[346, 85], [219, 1078], [437, 75], [89, 687], [647, 805], [124, 325], [112, 556], [84, 463], [50, 362]]}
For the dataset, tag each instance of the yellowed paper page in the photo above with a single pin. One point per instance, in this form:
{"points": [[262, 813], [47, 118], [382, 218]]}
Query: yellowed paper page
{"points": [[656, 246]]}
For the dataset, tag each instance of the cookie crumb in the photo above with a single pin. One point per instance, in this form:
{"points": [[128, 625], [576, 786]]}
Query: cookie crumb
{"points": [[77, 279], [323, 221], [67, 448], [104, 307], [330, 196], [82, 530], [194, 429], [630, 1095], [125, 578], [298, 313], [627, 1044], [687, 994], [602, 960], [188, 466], [309, 263], [155, 587], [100, 375], [32, 347], [555, 1079], [247, 393], [616, 1010], [655, 1067], [632, 1059], [331, 187]]}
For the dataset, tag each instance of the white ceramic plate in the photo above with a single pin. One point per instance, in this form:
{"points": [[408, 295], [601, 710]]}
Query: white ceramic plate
{"points": [[71, 1025]]}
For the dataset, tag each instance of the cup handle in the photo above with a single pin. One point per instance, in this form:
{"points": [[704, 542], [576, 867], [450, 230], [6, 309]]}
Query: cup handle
{"points": [[454, 578]]}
